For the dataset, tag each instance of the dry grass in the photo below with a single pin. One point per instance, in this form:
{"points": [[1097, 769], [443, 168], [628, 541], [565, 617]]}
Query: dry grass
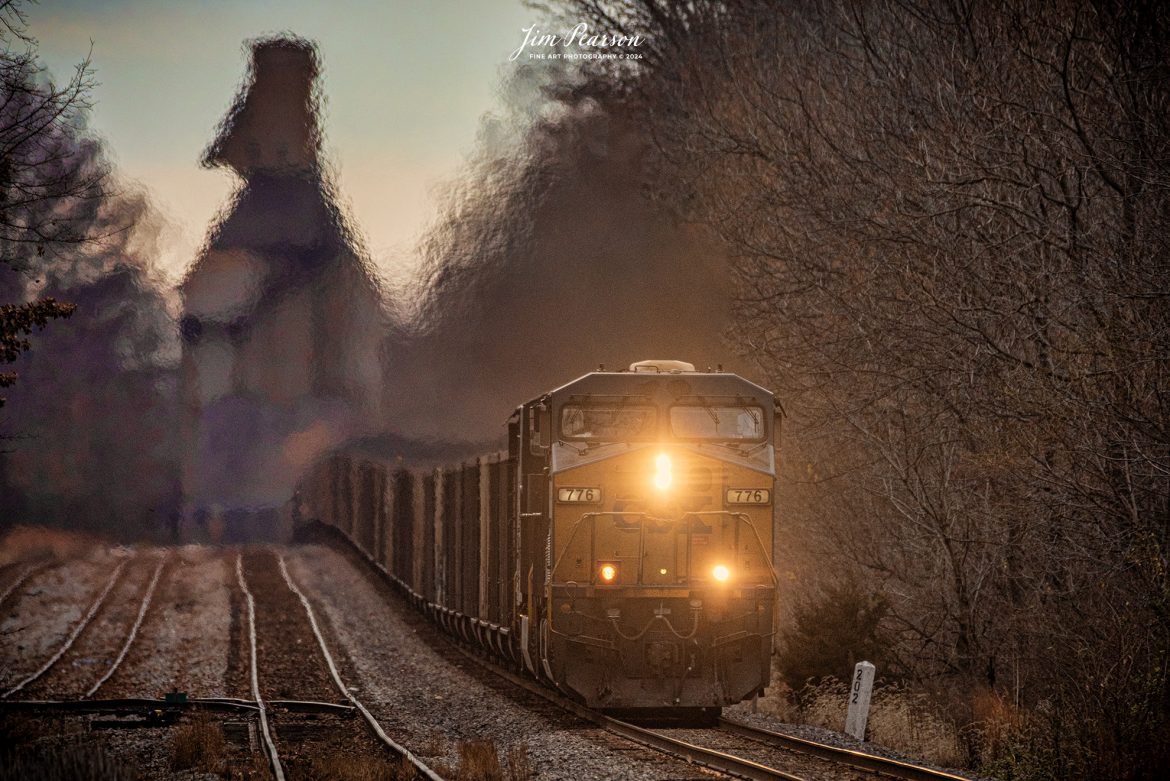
{"points": [[347, 767], [258, 770], [25, 543], [479, 761], [76, 762], [907, 721], [519, 768], [901, 719], [1012, 743], [999, 721], [406, 770], [825, 704], [198, 745], [1001, 740]]}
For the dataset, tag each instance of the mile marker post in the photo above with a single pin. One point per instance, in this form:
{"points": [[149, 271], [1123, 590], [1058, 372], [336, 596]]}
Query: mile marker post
{"points": [[859, 693]]}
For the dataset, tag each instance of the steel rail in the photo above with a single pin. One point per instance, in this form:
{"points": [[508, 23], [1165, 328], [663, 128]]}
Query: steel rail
{"points": [[133, 630], [127, 705], [712, 759], [25, 574], [269, 745], [304, 706], [706, 757], [77, 630], [870, 763], [420, 767], [150, 704], [709, 758]]}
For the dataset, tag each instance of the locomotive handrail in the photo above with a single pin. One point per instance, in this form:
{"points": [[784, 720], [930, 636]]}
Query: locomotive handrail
{"points": [[613, 620], [746, 519], [593, 516], [593, 536]]}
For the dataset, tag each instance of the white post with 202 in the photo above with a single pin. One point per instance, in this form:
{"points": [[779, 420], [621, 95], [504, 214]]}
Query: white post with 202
{"points": [[859, 694]]}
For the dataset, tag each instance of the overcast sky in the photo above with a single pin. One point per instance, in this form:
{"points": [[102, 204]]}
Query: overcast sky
{"points": [[406, 83]]}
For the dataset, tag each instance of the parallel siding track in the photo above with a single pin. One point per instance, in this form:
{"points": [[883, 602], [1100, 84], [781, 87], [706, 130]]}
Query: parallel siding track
{"points": [[80, 627], [279, 638], [132, 635], [266, 733], [420, 768], [21, 579]]}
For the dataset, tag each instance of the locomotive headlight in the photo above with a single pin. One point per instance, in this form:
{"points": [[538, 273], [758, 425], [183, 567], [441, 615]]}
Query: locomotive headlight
{"points": [[608, 573], [721, 573], [663, 477]]}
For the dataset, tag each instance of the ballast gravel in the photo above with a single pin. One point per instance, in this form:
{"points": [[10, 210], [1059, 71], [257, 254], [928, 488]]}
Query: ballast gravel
{"points": [[431, 700], [182, 645]]}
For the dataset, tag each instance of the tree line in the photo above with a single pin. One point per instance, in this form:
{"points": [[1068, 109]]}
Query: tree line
{"points": [[949, 230], [86, 436]]}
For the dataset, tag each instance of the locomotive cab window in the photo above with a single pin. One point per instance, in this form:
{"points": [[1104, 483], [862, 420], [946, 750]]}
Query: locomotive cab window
{"points": [[721, 422], [613, 422]]}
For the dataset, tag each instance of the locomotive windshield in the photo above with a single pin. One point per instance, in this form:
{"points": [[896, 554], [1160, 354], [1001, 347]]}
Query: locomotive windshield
{"points": [[608, 421], [722, 423]]}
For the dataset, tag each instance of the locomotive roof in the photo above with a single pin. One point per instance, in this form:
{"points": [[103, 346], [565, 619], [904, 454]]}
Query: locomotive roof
{"points": [[660, 387]]}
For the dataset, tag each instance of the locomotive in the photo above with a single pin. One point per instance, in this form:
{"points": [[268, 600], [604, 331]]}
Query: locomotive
{"points": [[620, 550]]}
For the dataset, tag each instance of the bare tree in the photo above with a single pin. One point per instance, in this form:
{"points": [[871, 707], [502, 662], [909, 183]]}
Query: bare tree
{"points": [[53, 179], [951, 229]]}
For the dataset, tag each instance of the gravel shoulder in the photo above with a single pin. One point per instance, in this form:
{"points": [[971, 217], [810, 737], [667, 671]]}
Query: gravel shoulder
{"points": [[431, 699], [290, 666]]}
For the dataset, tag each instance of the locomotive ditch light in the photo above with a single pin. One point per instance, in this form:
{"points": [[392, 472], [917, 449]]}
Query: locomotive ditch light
{"points": [[721, 573], [663, 476], [608, 573]]}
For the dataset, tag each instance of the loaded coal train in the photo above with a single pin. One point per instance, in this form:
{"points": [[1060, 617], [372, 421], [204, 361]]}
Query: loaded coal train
{"points": [[620, 550]]}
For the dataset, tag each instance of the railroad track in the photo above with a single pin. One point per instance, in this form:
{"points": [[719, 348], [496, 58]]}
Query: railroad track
{"points": [[779, 756], [265, 733], [420, 768], [870, 764], [132, 635], [806, 758], [76, 632], [291, 743], [22, 577], [801, 759], [106, 634], [658, 740]]}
